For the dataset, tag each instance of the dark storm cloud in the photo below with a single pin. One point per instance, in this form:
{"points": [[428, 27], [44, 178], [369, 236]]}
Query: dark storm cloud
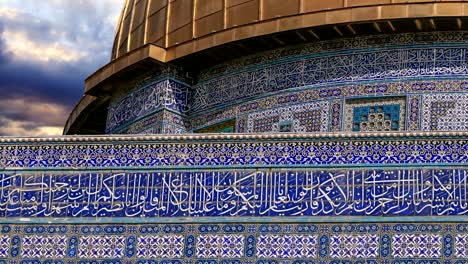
{"points": [[38, 91], [3, 53]]}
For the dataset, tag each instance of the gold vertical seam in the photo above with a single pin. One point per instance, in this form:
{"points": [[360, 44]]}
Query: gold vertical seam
{"points": [[225, 14], [145, 38], [132, 20], [168, 19], [122, 18], [194, 14], [260, 10]]}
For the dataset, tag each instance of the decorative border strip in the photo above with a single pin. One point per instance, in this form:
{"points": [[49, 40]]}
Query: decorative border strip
{"points": [[227, 220], [260, 151], [235, 243], [234, 137]]}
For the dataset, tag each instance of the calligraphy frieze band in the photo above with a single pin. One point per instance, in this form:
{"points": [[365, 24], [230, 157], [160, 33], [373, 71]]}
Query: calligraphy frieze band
{"points": [[236, 193]]}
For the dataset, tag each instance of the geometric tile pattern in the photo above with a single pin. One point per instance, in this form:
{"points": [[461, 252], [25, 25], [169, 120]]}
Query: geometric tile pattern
{"points": [[417, 246], [414, 112], [252, 242], [311, 117], [445, 112], [385, 114], [96, 247], [461, 246], [287, 246], [216, 246], [47, 247], [354, 246], [4, 246], [170, 246], [336, 115], [123, 153], [376, 118]]}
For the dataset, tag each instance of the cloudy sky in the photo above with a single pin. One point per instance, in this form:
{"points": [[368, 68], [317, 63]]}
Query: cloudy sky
{"points": [[47, 49]]}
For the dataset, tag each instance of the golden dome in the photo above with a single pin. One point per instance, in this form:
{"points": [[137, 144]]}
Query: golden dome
{"points": [[194, 25]]}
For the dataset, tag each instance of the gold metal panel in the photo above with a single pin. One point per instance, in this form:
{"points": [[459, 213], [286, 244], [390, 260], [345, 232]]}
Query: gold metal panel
{"points": [[180, 35], [266, 27], [180, 14], [209, 24], [157, 53], [279, 8], [123, 47], [129, 8], [338, 16], [137, 37], [289, 23], [120, 64], [136, 56], [168, 22], [125, 32], [107, 71], [314, 19], [223, 37], [204, 43], [313, 6], [412, 1], [242, 14], [465, 9], [421, 10], [140, 13], [351, 3], [230, 3], [245, 32], [184, 49], [449, 9], [393, 12], [207, 7], [156, 5], [366, 13], [157, 26]]}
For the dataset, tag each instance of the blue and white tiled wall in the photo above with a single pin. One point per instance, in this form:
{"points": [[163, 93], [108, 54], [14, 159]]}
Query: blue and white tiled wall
{"points": [[242, 199], [235, 193], [235, 243], [423, 70]]}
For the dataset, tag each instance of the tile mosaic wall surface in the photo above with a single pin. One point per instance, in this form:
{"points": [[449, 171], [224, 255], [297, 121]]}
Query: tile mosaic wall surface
{"points": [[383, 114], [410, 91], [398, 63], [445, 112], [358, 192], [236, 243], [148, 99], [406, 65], [250, 152], [159, 122], [311, 117], [160, 213]]}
